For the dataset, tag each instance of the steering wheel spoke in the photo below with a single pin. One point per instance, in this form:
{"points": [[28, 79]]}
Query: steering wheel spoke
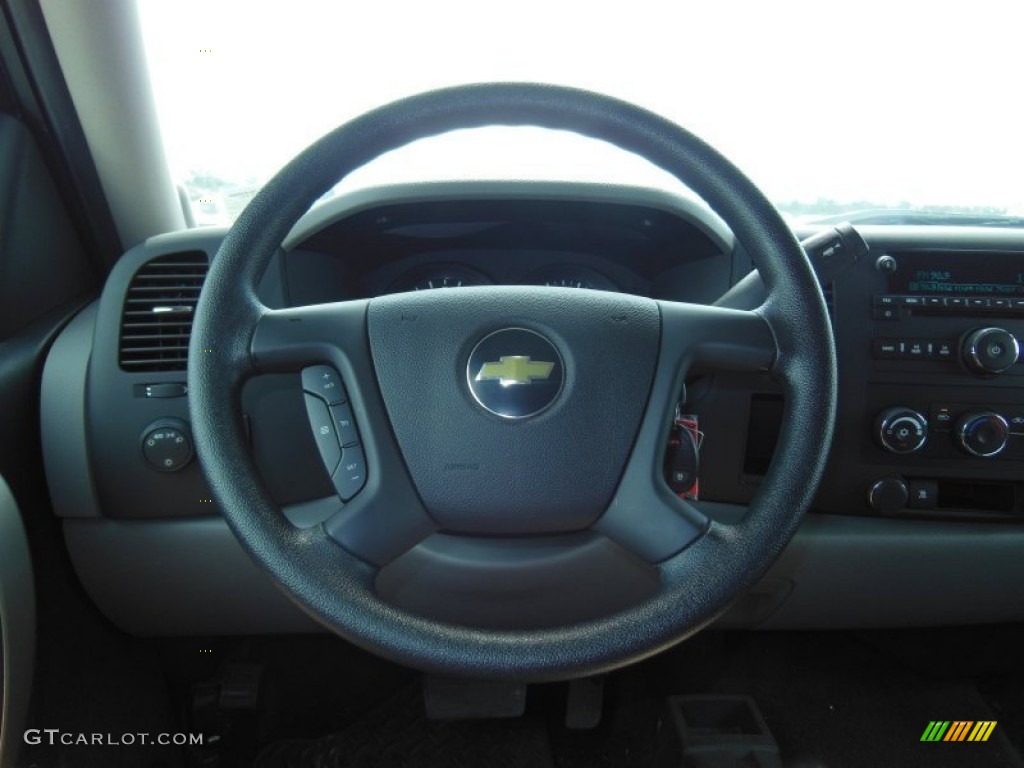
{"points": [[288, 340], [715, 337], [382, 517]]}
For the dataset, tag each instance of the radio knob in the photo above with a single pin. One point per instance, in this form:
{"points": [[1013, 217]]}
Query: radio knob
{"points": [[990, 350], [982, 433], [901, 430]]}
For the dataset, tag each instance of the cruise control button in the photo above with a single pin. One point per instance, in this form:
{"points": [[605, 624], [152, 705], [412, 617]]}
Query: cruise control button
{"points": [[324, 382], [350, 477], [344, 424], [323, 432]]}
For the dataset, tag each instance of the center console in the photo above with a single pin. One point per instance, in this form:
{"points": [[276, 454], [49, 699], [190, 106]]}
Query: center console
{"points": [[931, 403]]}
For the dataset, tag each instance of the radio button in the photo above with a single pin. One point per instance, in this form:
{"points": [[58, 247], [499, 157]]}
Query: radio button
{"points": [[990, 350], [978, 303], [957, 302], [886, 349], [912, 301], [934, 301], [1000, 303], [917, 350], [1017, 303], [942, 350], [885, 313], [887, 301]]}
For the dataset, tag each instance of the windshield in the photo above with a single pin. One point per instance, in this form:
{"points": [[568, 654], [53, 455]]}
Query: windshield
{"points": [[833, 109]]}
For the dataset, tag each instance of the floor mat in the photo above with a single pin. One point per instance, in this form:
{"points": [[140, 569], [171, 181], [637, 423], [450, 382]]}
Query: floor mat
{"points": [[833, 700], [396, 733]]}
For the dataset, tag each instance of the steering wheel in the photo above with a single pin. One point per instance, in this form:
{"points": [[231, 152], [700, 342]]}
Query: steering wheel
{"points": [[513, 521]]}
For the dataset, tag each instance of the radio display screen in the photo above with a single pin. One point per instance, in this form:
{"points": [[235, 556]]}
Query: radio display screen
{"points": [[958, 274]]}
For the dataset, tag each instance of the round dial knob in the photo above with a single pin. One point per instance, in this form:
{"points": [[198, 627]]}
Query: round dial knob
{"points": [[982, 433], [888, 495], [167, 445], [990, 350], [901, 430]]}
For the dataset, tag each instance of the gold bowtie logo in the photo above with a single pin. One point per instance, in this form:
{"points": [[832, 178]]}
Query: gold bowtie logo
{"points": [[515, 369]]}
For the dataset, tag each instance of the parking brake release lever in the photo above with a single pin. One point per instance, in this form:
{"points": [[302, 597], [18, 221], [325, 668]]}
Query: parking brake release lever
{"points": [[831, 251]]}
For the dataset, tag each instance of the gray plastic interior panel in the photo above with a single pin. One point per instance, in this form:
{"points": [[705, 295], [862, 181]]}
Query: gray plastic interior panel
{"points": [[185, 577], [62, 418], [18, 625], [178, 577]]}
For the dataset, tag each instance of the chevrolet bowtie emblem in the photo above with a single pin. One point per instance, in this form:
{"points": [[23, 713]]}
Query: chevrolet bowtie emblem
{"points": [[515, 369]]}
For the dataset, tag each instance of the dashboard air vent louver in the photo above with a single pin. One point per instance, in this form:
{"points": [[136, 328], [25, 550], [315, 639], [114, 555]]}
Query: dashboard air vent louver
{"points": [[158, 309]]}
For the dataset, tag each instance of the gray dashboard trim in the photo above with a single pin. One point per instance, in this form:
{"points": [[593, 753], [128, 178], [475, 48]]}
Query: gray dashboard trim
{"points": [[186, 577], [18, 625], [690, 209], [62, 409]]}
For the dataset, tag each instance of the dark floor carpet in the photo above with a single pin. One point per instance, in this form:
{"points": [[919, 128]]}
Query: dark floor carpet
{"points": [[395, 734], [837, 700]]}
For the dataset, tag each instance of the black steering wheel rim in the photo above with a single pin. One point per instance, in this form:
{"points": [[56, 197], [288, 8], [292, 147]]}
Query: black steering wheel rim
{"points": [[337, 588]]}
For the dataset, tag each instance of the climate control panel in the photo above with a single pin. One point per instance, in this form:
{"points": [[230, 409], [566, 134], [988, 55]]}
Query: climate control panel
{"points": [[952, 429]]}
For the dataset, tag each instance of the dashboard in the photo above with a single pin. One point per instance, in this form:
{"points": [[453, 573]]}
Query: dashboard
{"points": [[917, 520]]}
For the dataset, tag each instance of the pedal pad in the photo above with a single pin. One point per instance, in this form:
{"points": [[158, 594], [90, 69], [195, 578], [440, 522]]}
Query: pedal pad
{"points": [[722, 731], [240, 688], [585, 703]]}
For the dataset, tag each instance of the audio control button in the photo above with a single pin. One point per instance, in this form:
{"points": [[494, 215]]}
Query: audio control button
{"points": [[990, 350], [886, 349]]}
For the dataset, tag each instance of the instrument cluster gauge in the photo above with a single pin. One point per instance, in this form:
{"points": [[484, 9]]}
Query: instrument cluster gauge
{"points": [[571, 276], [439, 276]]}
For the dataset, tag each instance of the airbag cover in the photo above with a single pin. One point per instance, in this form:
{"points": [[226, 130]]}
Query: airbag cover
{"points": [[478, 472]]}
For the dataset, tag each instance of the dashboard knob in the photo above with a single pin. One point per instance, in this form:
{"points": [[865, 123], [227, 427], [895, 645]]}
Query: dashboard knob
{"points": [[901, 430], [888, 495], [982, 433], [167, 445], [990, 350]]}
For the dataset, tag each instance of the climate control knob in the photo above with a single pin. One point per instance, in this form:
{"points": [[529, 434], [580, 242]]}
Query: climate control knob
{"points": [[982, 433], [901, 430], [990, 350]]}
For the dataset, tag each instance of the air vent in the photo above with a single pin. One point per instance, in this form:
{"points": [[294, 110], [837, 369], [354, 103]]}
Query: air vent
{"points": [[158, 311]]}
